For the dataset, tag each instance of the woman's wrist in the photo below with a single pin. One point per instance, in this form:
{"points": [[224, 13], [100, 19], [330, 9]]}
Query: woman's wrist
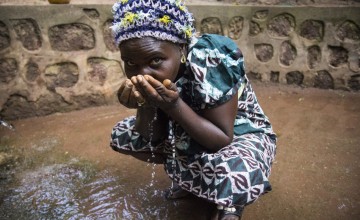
{"points": [[151, 123]]}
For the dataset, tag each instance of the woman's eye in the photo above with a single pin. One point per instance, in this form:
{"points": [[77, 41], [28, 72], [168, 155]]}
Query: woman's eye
{"points": [[156, 61], [129, 63]]}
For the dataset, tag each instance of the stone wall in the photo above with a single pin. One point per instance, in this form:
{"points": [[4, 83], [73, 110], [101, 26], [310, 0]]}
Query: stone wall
{"points": [[57, 58], [308, 46]]}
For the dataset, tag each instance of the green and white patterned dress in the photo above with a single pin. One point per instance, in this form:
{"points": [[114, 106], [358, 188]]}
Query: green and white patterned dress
{"points": [[238, 173]]}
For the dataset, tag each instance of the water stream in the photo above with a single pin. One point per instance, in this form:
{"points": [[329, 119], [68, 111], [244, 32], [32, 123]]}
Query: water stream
{"points": [[42, 181], [152, 151]]}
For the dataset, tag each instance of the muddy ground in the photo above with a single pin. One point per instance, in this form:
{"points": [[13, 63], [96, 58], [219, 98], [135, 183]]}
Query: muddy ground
{"points": [[315, 175]]}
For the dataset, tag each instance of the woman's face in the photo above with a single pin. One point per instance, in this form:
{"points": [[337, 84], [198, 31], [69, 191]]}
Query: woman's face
{"points": [[148, 56]]}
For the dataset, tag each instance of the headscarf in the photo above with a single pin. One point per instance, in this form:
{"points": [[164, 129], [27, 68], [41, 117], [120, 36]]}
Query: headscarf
{"points": [[162, 19]]}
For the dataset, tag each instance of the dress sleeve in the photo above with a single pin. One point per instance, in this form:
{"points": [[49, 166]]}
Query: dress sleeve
{"points": [[217, 66], [125, 137]]}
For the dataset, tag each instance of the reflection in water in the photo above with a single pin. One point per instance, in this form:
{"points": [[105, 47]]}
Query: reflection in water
{"points": [[64, 191], [48, 186]]}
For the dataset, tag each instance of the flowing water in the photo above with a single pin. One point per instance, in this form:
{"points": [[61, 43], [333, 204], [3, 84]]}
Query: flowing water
{"points": [[153, 165], [40, 181]]}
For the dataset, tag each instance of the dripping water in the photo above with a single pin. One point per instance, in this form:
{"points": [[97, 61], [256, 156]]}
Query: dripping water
{"points": [[173, 153], [153, 165]]}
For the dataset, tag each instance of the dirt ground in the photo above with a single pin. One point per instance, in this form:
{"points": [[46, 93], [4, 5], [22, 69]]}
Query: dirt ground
{"points": [[317, 167]]}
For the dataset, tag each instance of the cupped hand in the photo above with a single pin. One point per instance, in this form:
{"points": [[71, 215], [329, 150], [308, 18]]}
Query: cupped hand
{"points": [[128, 95], [158, 94]]}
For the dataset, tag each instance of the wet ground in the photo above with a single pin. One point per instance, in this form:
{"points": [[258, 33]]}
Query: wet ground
{"points": [[60, 166]]}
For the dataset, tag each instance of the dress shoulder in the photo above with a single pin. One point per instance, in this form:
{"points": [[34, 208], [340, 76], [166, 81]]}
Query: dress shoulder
{"points": [[216, 66]]}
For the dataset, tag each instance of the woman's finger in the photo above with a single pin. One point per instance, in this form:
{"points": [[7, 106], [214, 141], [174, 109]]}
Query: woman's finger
{"points": [[140, 100], [169, 85], [167, 90], [136, 80], [152, 81], [152, 87], [158, 87], [120, 91], [124, 93], [143, 86]]}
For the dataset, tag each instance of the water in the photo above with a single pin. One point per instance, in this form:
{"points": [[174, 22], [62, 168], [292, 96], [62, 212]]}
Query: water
{"points": [[172, 137], [55, 191], [151, 127], [7, 125], [64, 191], [76, 189], [43, 181]]}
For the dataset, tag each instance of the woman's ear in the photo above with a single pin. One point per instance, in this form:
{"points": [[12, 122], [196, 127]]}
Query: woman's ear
{"points": [[183, 49], [183, 53]]}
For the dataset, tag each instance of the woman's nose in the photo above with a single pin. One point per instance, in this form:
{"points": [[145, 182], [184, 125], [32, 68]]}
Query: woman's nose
{"points": [[145, 71]]}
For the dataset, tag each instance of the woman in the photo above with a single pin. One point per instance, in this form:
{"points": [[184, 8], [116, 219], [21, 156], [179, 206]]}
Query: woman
{"points": [[196, 110]]}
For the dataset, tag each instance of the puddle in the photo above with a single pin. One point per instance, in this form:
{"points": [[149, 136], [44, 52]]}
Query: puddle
{"points": [[44, 183]]}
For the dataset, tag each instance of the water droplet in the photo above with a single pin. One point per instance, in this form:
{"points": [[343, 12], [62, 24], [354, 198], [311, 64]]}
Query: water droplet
{"points": [[7, 125]]}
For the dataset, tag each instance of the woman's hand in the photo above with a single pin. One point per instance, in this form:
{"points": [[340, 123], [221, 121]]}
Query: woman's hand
{"points": [[161, 95], [129, 96]]}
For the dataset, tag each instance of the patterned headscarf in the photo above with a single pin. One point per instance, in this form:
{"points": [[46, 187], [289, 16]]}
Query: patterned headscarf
{"points": [[162, 19]]}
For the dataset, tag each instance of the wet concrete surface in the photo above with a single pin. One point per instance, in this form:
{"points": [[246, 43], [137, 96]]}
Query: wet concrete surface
{"points": [[61, 166]]}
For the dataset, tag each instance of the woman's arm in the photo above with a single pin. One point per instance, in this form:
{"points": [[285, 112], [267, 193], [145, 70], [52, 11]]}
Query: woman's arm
{"points": [[212, 128], [151, 122]]}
